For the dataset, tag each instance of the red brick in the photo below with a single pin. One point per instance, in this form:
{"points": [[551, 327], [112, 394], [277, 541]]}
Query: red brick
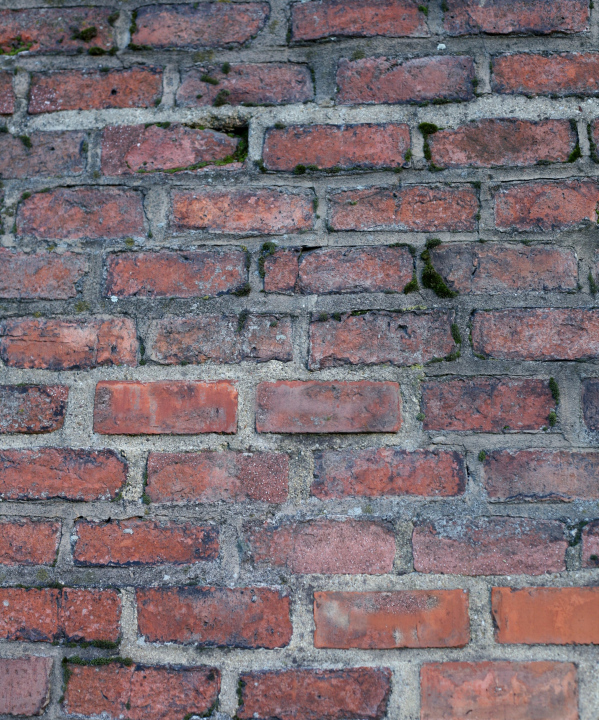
{"points": [[24, 685], [32, 408], [170, 274], [544, 206], [388, 471], [136, 87], [120, 543], [390, 80], [220, 338], [325, 546], [49, 30], [541, 475], [77, 213], [7, 96], [590, 545], [508, 17], [209, 24], [140, 692], [500, 268], [48, 615], [45, 473], [246, 84], [29, 542], [171, 407], [328, 407], [50, 154], [590, 403], [520, 691], [131, 149], [486, 404], [40, 276], [560, 74], [419, 208], [215, 617], [336, 146], [349, 694], [68, 344], [209, 477], [490, 546], [404, 338], [543, 615], [281, 270], [510, 142]]}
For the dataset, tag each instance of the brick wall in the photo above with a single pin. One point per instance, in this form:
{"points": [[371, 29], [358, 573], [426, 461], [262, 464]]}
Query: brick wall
{"points": [[299, 350]]}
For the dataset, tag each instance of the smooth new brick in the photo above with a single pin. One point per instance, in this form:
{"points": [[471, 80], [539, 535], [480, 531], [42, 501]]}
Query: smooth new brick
{"points": [[349, 694], [377, 337], [328, 407], [490, 546], [336, 146], [590, 545], [78, 213], [510, 142], [24, 685], [215, 617], [543, 615], [175, 407], [136, 87], [68, 344], [220, 339], [246, 84], [51, 153], [209, 477], [475, 268], [260, 211], [29, 542], [486, 404], [485, 690], [590, 403], [140, 692], [7, 96], [32, 408], [390, 80], [325, 546], [45, 473], [560, 74], [417, 208], [121, 543], [386, 620], [40, 276], [380, 472]]}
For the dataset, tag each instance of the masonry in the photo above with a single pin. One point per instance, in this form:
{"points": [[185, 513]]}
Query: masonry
{"points": [[299, 397]]}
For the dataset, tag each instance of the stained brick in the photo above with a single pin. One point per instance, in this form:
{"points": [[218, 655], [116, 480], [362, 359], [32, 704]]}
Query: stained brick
{"points": [[7, 96], [29, 542], [590, 403], [590, 545], [32, 408], [560, 74], [40, 276], [24, 685], [50, 153]]}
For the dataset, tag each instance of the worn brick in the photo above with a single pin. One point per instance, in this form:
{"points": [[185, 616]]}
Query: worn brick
{"points": [[590, 403], [32, 408], [40, 276], [51, 153], [560, 74], [7, 96], [24, 685], [29, 542], [590, 545], [281, 270]]}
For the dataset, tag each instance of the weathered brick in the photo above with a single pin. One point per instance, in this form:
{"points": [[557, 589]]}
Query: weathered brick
{"points": [[486, 404], [215, 617], [40, 276], [29, 542], [45, 473], [85, 212], [510, 142], [220, 338], [32, 408], [136, 87], [351, 694], [140, 692], [560, 74], [324, 546], [490, 546], [281, 270], [406, 338], [250, 212], [68, 344], [520, 691], [336, 146], [7, 96], [24, 685], [209, 477], [171, 407], [46, 153], [328, 407], [386, 620], [391, 80], [388, 471], [590, 545], [590, 403], [547, 616], [121, 543], [418, 208], [246, 84]]}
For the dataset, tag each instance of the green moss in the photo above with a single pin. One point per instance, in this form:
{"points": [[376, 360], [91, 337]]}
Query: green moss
{"points": [[576, 532], [76, 660], [455, 334], [552, 418], [243, 291], [423, 9], [133, 26], [242, 319], [209, 79], [421, 417], [113, 17], [554, 387], [260, 165], [408, 155], [299, 170], [26, 140], [412, 286], [575, 154], [96, 51], [323, 317], [593, 287], [482, 455], [221, 98], [25, 195], [431, 279], [358, 55], [226, 68], [269, 248], [86, 35]]}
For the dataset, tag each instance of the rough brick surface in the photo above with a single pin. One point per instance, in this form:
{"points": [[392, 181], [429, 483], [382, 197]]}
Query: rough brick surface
{"points": [[7, 97], [32, 408], [590, 403], [36, 276], [51, 153], [24, 685], [29, 542], [590, 545], [559, 74]]}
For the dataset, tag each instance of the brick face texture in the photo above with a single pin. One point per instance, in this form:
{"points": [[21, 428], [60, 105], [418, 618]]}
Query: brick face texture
{"points": [[299, 386]]}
